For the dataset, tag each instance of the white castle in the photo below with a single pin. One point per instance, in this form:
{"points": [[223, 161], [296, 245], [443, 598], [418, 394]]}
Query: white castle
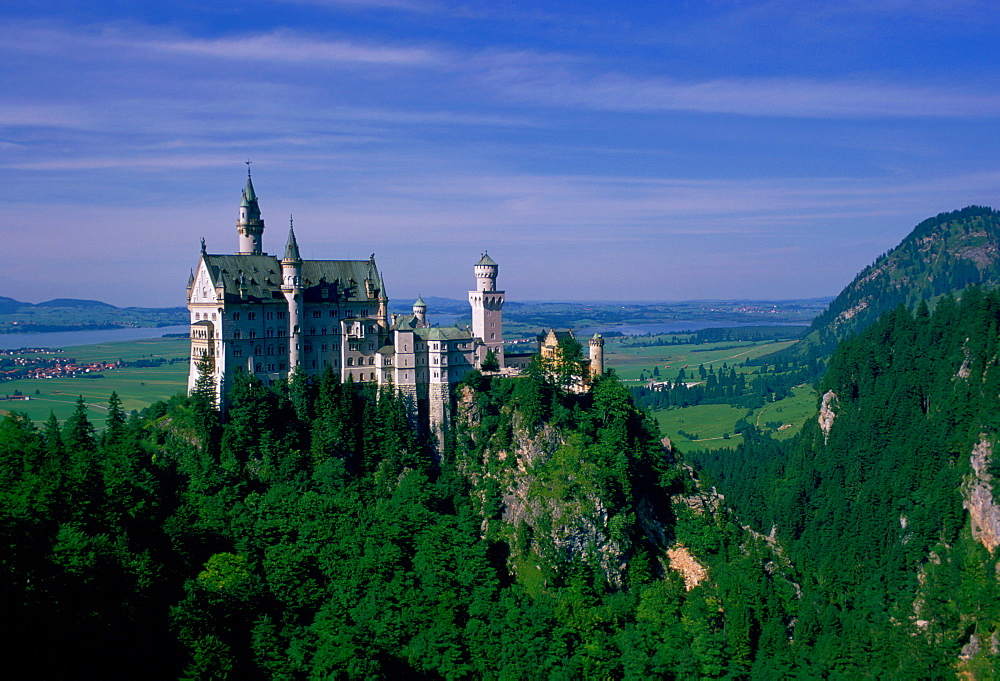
{"points": [[251, 312]]}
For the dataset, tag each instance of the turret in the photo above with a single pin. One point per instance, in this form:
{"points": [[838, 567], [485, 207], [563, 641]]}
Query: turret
{"points": [[597, 355], [487, 308], [420, 311], [486, 273], [291, 287], [250, 226]]}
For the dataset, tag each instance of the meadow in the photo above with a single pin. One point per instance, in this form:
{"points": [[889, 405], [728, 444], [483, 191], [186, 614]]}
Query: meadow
{"points": [[711, 425], [138, 387], [630, 363]]}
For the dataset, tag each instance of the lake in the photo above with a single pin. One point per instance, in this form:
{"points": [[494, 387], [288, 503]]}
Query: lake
{"points": [[65, 339]]}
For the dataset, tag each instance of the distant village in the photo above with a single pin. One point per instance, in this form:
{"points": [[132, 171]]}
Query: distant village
{"points": [[28, 363]]}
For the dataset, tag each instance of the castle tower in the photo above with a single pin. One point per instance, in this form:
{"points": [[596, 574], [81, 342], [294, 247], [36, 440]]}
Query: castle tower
{"points": [[250, 226], [487, 304], [420, 311], [291, 287], [597, 355]]}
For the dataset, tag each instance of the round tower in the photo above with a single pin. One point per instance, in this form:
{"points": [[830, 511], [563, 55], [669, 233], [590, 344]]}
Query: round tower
{"points": [[486, 274], [291, 287], [487, 309], [597, 355], [420, 311], [250, 226]]}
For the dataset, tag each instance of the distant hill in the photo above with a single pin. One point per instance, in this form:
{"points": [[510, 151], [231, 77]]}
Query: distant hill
{"points": [[946, 253], [74, 314], [73, 302]]}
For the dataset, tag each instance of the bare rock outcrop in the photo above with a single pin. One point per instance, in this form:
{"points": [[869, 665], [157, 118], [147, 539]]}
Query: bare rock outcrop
{"points": [[827, 414], [977, 491]]}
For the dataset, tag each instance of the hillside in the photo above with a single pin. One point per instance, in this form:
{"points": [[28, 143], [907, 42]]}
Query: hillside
{"points": [[945, 253], [886, 501]]}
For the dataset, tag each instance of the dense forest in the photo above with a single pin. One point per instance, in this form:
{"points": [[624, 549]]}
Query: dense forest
{"points": [[312, 535], [870, 501]]}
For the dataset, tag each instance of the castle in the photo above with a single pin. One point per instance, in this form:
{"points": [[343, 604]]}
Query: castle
{"points": [[252, 312]]}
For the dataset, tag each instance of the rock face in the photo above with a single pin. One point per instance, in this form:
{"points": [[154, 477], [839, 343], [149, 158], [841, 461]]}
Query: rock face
{"points": [[542, 498], [681, 560], [826, 414], [977, 495]]}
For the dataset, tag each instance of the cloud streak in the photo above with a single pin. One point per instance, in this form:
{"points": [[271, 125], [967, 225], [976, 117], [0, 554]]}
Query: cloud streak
{"points": [[561, 86]]}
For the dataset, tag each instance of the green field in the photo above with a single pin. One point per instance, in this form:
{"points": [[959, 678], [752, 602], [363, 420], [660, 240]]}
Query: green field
{"points": [[711, 422], [137, 387], [629, 363]]}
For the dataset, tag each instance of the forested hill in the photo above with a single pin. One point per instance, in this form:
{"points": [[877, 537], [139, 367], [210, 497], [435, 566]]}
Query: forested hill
{"points": [[885, 501], [942, 254], [312, 535]]}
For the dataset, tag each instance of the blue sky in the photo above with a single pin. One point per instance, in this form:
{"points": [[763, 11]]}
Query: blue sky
{"points": [[597, 150]]}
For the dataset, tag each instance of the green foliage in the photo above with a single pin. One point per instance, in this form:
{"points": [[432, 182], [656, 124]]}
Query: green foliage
{"points": [[871, 511]]}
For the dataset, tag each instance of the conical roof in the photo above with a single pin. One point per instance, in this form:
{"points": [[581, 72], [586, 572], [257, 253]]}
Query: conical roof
{"points": [[291, 247]]}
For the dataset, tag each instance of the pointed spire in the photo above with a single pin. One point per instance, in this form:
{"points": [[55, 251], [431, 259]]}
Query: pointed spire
{"points": [[291, 246], [191, 279]]}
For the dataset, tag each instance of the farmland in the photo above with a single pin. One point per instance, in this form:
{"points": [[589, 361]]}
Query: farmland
{"points": [[138, 387]]}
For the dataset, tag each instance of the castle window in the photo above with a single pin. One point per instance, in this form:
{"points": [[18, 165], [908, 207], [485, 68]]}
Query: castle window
{"points": [[236, 316], [257, 367], [371, 361], [270, 367], [314, 364], [237, 352], [251, 315], [312, 331], [373, 376], [270, 349], [281, 314], [371, 346], [253, 334], [281, 366], [350, 361], [324, 347], [333, 313], [258, 351], [317, 314], [322, 331], [269, 315], [237, 334], [281, 333], [435, 360], [270, 333], [309, 347], [281, 349]]}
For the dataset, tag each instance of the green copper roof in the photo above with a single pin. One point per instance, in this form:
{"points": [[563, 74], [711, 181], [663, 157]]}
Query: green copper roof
{"points": [[250, 201], [486, 260], [259, 277], [419, 302], [291, 247]]}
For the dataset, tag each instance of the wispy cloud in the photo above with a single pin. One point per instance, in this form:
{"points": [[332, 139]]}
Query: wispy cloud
{"points": [[292, 47], [521, 78]]}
